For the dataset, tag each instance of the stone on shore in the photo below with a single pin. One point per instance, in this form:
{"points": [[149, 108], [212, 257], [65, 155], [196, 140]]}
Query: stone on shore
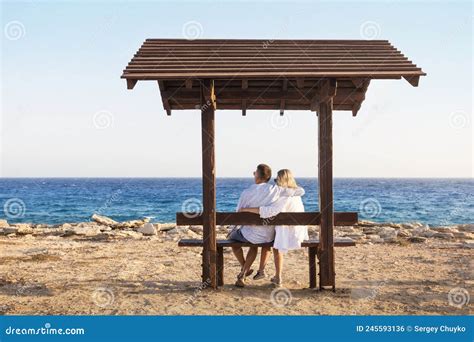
{"points": [[8, 230], [4, 224], [467, 227], [468, 244], [133, 223], [86, 230], [446, 236], [164, 227], [147, 229], [417, 239], [23, 229], [107, 221]]}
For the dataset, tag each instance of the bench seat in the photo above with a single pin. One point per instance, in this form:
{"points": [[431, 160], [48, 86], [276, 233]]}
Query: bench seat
{"points": [[340, 242], [312, 246]]}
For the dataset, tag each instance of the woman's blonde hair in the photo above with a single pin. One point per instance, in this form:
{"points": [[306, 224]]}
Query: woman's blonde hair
{"points": [[285, 179]]}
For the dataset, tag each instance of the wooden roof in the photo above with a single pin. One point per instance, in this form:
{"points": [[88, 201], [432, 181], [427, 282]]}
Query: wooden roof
{"points": [[266, 74]]}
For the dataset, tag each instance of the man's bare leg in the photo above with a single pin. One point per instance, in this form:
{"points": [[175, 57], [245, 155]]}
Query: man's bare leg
{"points": [[251, 256], [239, 254]]}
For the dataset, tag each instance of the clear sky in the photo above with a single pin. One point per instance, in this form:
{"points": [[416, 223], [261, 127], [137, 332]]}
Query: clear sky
{"points": [[67, 113]]}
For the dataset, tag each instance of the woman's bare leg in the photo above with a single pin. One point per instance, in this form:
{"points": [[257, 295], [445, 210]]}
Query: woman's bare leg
{"points": [[278, 258], [264, 258]]}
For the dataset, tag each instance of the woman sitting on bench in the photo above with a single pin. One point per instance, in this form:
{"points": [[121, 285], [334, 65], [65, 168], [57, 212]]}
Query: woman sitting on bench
{"points": [[286, 237]]}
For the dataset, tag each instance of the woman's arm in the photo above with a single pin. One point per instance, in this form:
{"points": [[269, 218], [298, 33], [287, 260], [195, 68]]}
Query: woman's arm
{"points": [[289, 192], [250, 210], [273, 209]]}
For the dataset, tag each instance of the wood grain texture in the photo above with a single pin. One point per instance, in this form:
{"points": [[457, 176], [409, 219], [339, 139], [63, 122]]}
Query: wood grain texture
{"points": [[251, 219]]}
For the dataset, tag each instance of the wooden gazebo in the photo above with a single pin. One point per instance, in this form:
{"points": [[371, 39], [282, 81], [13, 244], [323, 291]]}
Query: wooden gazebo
{"points": [[314, 75]]}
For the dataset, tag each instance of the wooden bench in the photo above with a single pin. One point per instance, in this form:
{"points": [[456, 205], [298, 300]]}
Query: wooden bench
{"points": [[312, 246], [251, 219]]}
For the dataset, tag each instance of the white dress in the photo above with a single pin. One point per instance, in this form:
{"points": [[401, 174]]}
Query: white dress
{"points": [[286, 237]]}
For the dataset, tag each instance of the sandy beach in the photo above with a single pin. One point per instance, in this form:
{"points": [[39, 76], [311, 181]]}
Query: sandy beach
{"points": [[91, 269]]}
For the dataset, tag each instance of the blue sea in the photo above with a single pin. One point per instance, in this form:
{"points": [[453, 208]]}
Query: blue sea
{"points": [[58, 200]]}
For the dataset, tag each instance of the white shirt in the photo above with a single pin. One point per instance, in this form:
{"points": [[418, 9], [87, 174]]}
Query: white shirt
{"points": [[259, 195], [286, 237]]}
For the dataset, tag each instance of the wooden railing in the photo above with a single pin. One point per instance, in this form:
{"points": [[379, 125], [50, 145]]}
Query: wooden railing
{"points": [[251, 219]]}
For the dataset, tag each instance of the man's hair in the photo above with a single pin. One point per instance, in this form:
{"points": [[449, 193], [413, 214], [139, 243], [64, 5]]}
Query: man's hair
{"points": [[264, 172]]}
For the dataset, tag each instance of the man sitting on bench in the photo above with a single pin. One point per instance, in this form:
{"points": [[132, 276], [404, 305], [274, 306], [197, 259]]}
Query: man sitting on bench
{"points": [[257, 195]]}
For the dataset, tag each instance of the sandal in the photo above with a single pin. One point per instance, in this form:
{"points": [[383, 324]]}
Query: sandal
{"points": [[240, 282], [259, 275], [276, 283]]}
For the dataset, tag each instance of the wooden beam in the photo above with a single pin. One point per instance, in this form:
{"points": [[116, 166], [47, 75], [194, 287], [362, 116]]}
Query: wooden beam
{"points": [[358, 81], [362, 86], [300, 82], [264, 95], [284, 91], [131, 83], [413, 80], [325, 179], [209, 262], [283, 219], [326, 90], [245, 86], [166, 104], [312, 251]]}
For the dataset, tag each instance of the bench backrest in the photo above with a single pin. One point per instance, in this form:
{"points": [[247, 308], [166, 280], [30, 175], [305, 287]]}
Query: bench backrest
{"points": [[251, 219]]}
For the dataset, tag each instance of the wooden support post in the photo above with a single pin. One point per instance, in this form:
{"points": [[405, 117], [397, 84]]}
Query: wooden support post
{"points": [[325, 179], [312, 267], [166, 104], [220, 266], [245, 86], [283, 96], [209, 267]]}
